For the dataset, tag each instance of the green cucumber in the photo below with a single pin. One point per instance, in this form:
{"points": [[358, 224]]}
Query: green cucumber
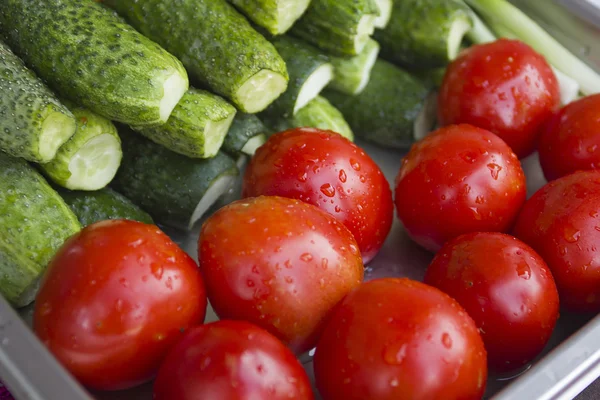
{"points": [[33, 122], [217, 45], [385, 13], [101, 205], [352, 74], [319, 113], [339, 27], [276, 16], [175, 190], [393, 109], [34, 223], [197, 126], [89, 55], [432, 77], [309, 70], [90, 159], [247, 133], [424, 33]]}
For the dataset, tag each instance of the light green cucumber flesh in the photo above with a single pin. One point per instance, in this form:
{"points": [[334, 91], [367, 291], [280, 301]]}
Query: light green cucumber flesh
{"points": [[276, 16], [458, 29], [315, 83], [385, 12], [57, 129], [352, 74], [258, 92], [253, 144], [246, 134], [366, 27]]}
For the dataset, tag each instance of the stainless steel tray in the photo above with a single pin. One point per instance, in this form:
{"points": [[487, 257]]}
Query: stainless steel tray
{"points": [[570, 362]]}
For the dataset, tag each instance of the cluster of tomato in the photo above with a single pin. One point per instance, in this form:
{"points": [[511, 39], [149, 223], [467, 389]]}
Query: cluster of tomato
{"points": [[283, 268]]}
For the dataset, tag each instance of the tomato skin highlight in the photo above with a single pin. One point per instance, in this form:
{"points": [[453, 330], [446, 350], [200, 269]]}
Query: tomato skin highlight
{"points": [[327, 170], [114, 300], [570, 140], [400, 339], [561, 222], [231, 360], [506, 288], [278, 263], [459, 179], [504, 87]]}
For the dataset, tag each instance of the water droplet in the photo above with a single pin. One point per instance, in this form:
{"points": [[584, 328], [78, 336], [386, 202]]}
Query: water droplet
{"points": [[571, 234], [289, 279], [328, 190], [479, 200], [324, 263], [306, 257], [343, 176], [469, 156], [523, 270], [337, 209], [394, 382], [250, 283], [355, 164], [302, 177], [395, 356], [447, 340], [119, 305], [476, 213], [494, 170], [157, 270]]}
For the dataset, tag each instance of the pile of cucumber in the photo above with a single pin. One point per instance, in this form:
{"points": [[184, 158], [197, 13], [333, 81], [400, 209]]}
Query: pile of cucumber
{"points": [[148, 109]]}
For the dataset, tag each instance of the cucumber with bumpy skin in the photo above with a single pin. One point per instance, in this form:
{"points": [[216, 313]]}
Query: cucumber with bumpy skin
{"points": [[319, 113], [197, 126], [340, 27], [393, 109], [276, 16], [33, 122], [34, 223], [352, 74], [90, 159], [246, 134], [175, 190], [101, 205], [217, 45], [309, 70], [424, 33], [89, 55]]}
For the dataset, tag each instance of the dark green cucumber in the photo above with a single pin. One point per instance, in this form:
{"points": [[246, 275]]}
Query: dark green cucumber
{"points": [[390, 111], [175, 190], [339, 27], [309, 70], [217, 45], [34, 223], [247, 133], [89, 55], [424, 33], [33, 122], [276, 16], [432, 77], [352, 74], [101, 205], [90, 159], [197, 126], [319, 113]]}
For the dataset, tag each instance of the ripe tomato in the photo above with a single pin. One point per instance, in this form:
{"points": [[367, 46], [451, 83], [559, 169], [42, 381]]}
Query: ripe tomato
{"points": [[504, 87], [506, 288], [327, 170], [231, 360], [114, 300], [571, 139], [561, 221], [460, 179], [279, 263], [400, 339]]}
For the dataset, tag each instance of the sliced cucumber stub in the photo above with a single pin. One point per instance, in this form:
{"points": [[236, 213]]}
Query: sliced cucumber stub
{"points": [[90, 159], [276, 16], [352, 74], [57, 128], [385, 13], [424, 33], [246, 134], [175, 190], [197, 126], [260, 90]]}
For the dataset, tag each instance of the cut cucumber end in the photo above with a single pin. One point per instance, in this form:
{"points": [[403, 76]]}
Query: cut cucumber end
{"points": [[215, 132], [94, 166], [569, 88], [427, 118], [57, 128], [288, 12], [173, 90], [366, 27], [385, 13], [218, 187], [253, 144], [459, 28], [315, 83], [369, 64], [258, 92]]}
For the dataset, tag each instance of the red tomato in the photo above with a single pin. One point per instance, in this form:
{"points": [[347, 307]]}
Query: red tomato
{"points": [[506, 288], [231, 360], [562, 223], [571, 139], [114, 300], [460, 179], [279, 263], [327, 170], [504, 87], [400, 339]]}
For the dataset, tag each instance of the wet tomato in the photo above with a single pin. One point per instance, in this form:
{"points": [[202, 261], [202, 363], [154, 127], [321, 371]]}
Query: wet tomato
{"points": [[506, 288], [279, 263], [327, 170], [114, 300]]}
